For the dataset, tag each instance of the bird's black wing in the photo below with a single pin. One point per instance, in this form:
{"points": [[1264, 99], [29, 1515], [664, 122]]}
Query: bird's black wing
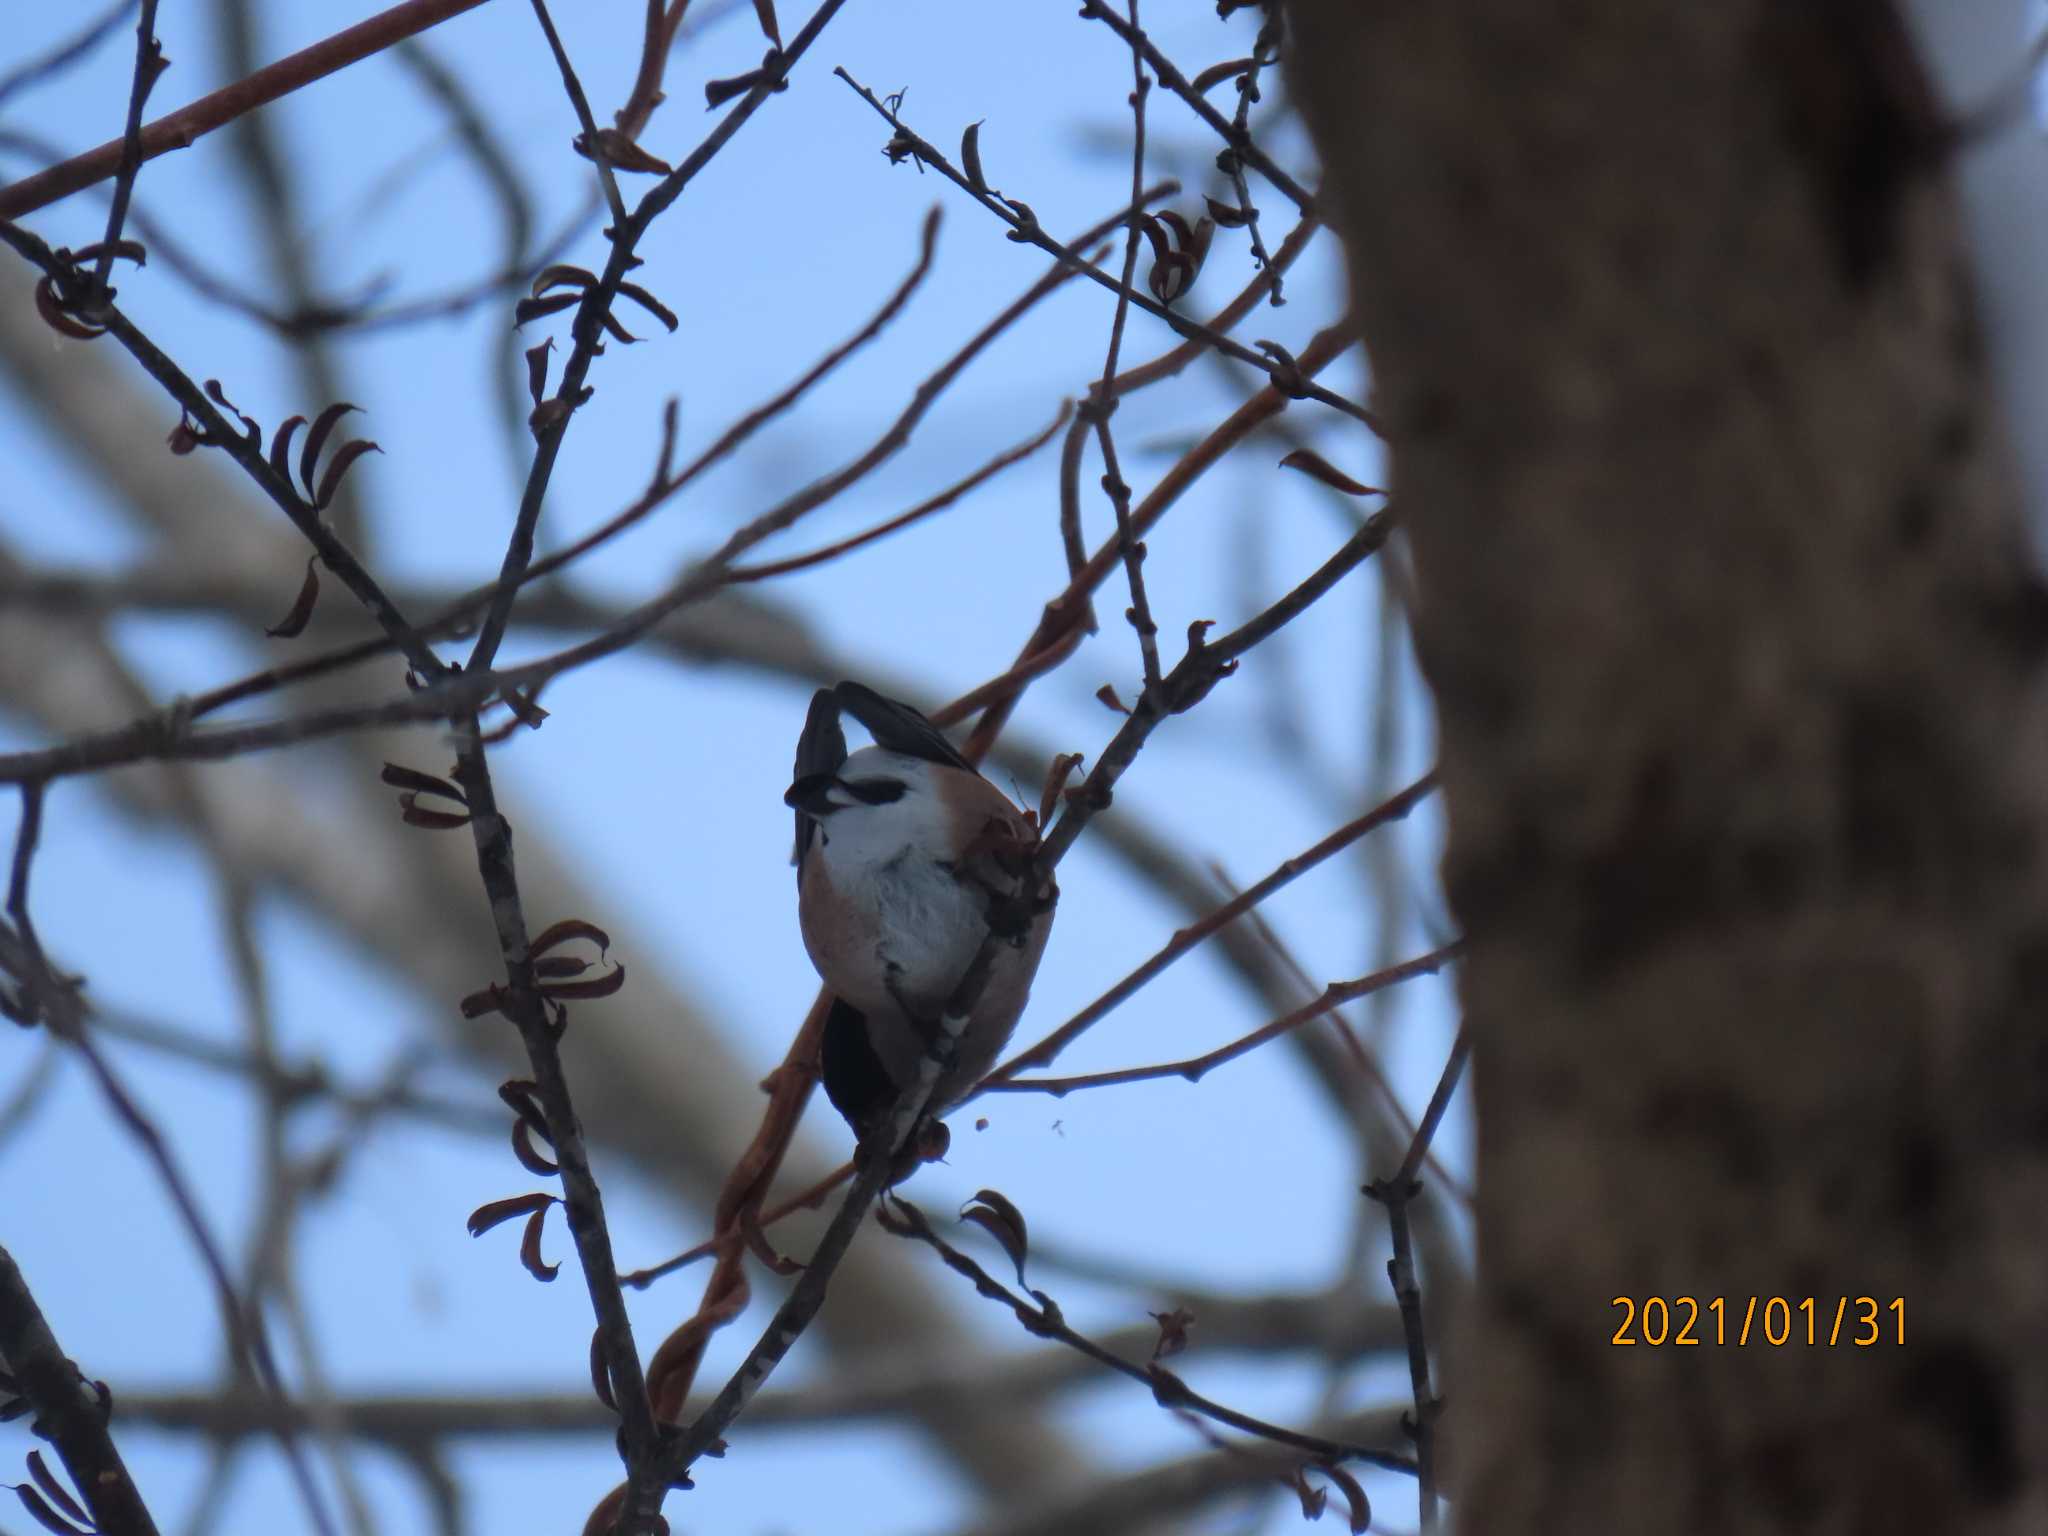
{"points": [[898, 727], [821, 749]]}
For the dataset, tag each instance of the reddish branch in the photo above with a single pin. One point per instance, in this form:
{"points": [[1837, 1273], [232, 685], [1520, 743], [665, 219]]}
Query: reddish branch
{"points": [[190, 123], [1067, 615]]}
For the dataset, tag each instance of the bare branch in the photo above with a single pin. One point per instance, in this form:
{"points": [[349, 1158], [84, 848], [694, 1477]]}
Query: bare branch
{"points": [[1045, 1321], [189, 123], [71, 1411], [1195, 1067], [1045, 1051], [1027, 229]]}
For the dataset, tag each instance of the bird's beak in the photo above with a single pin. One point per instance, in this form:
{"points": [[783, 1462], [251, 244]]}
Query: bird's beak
{"points": [[811, 794]]}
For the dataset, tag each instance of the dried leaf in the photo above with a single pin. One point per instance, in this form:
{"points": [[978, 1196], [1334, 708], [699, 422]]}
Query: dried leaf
{"points": [[1001, 1220], [1227, 215], [293, 624], [1216, 74], [531, 1158], [555, 967], [621, 153], [58, 318], [1317, 467], [533, 309], [561, 275], [281, 445], [1170, 277], [1361, 1506], [1107, 694], [568, 928], [413, 814], [537, 369], [316, 440], [718, 92], [597, 986], [398, 776], [12, 1408], [184, 438], [611, 324], [529, 1248], [124, 250], [1156, 236], [250, 430], [59, 1495], [496, 1213], [1313, 1500], [48, 1518], [970, 156], [1056, 778], [764, 11], [650, 303], [338, 466], [605, 1516], [1173, 1332], [522, 1096]]}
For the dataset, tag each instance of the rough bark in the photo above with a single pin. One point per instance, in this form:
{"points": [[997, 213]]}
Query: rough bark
{"points": [[1737, 653]]}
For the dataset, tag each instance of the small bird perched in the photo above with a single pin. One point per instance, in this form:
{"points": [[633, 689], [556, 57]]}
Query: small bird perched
{"points": [[906, 858]]}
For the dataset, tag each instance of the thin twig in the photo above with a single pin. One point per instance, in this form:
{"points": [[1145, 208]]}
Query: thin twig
{"points": [[189, 123], [1395, 1194], [1267, 46], [588, 329], [581, 1198], [803, 1200], [1205, 664], [1027, 228], [924, 509], [581, 103], [312, 1081], [1176, 82], [1102, 400], [54, 999], [1047, 1050], [1066, 615], [1439, 1101], [149, 63], [334, 554], [1046, 1321], [1195, 1067]]}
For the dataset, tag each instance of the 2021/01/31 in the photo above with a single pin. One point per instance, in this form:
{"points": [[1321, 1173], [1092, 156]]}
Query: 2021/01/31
{"points": [[1861, 1321]]}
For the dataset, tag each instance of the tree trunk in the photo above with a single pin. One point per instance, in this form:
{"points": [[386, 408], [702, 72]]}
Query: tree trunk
{"points": [[1737, 653]]}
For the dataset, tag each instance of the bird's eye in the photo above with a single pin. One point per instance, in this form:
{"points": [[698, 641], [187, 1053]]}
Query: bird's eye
{"points": [[877, 791]]}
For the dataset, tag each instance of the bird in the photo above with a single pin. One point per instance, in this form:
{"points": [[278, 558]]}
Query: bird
{"points": [[906, 859]]}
